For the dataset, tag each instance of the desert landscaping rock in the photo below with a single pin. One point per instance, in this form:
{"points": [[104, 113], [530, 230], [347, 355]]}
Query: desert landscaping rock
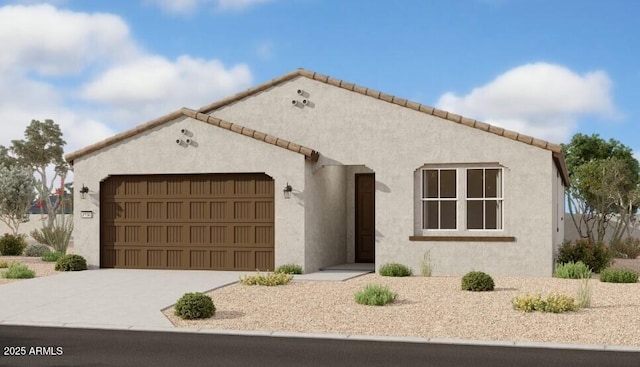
{"points": [[433, 307]]}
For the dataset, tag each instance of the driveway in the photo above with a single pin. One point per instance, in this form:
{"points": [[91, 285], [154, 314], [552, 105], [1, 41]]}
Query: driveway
{"points": [[107, 298]]}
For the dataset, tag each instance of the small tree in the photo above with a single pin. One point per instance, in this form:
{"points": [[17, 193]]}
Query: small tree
{"points": [[16, 195], [605, 180], [41, 148]]}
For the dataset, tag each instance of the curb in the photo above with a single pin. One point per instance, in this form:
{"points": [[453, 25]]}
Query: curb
{"points": [[378, 338]]}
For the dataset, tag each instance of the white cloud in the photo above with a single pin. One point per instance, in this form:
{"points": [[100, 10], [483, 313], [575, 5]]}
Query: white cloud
{"points": [[543, 100], [152, 84], [50, 41], [189, 6], [60, 64]]}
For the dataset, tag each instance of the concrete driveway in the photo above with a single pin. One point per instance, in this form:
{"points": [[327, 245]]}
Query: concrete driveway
{"points": [[106, 298]]}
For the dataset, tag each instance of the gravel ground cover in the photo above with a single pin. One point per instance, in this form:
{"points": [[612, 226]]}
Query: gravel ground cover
{"points": [[432, 307]]}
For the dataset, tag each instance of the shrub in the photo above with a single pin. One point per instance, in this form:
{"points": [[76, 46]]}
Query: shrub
{"points": [[71, 262], [572, 270], [194, 306], [57, 235], [12, 245], [426, 265], [3, 264], [628, 248], [18, 271], [556, 303], [596, 255], [36, 250], [395, 270], [289, 269], [477, 281], [584, 294], [375, 295], [611, 275], [268, 280], [52, 256]]}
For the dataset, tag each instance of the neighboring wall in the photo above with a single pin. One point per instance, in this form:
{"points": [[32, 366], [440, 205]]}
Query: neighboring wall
{"points": [[36, 221]]}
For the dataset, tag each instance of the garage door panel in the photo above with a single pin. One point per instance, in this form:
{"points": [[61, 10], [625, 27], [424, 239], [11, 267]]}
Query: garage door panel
{"points": [[209, 221]]}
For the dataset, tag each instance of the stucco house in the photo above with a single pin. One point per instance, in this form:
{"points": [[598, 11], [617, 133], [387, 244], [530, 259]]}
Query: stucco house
{"points": [[316, 171]]}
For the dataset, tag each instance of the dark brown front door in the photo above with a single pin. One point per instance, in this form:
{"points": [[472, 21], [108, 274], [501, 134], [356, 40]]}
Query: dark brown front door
{"points": [[365, 218]]}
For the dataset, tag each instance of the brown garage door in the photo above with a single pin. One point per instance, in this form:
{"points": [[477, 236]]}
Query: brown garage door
{"points": [[203, 221]]}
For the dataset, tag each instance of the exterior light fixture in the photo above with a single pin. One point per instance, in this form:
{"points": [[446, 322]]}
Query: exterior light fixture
{"points": [[84, 191], [287, 191]]}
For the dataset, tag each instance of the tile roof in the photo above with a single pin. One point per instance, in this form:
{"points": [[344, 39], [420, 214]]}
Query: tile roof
{"points": [[556, 149]]}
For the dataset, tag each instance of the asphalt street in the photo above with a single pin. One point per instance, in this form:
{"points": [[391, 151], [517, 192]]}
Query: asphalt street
{"points": [[45, 346]]}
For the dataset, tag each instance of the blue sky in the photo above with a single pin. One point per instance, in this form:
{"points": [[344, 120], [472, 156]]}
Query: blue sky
{"points": [[546, 68]]}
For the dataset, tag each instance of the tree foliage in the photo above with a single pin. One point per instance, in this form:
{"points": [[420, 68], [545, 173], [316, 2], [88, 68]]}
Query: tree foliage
{"points": [[42, 147], [16, 195], [605, 184]]}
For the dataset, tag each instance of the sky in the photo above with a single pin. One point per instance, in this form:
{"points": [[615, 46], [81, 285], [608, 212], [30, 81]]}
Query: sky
{"points": [[545, 68]]}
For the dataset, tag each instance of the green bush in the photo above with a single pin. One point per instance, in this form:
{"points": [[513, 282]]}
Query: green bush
{"points": [[71, 262], [375, 295], [57, 235], [395, 270], [477, 281], [571, 270], [555, 303], [52, 256], [3, 264], [289, 269], [12, 245], [596, 255], [36, 250], [271, 279], [628, 248], [611, 275], [18, 271], [194, 306]]}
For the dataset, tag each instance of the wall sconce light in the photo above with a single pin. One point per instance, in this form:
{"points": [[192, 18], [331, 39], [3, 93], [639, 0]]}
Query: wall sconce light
{"points": [[84, 191], [287, 191]]}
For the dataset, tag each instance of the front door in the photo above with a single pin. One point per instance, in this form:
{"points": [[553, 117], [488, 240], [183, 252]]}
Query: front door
{"points": [[365, 218]]}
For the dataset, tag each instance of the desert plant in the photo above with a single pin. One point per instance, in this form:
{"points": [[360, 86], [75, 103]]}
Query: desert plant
{"points": [[36, 250], [596, 255], [477, 281], [18, 271], [611, 275], [271, 279], [375, 295], [71, 262], [3, 264], [556, 303], [426, 265], [52, 256], [629, 248], [194, 306], [572, 270], [289, 269], [395, 270], [12, 245], [57, 235], [584, 294]]}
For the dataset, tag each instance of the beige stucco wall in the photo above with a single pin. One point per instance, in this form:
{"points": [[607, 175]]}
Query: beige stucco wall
{"points": [[353, 133], [217, 151], [351, 129]]}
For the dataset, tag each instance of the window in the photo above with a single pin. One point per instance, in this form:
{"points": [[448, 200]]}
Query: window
{"points": [[439, 199], [484, 198], [464, 198]]}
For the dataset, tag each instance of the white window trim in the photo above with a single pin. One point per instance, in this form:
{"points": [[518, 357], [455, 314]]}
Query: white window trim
{"points": [[438, 199], [484, 198], [461, 197]]}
